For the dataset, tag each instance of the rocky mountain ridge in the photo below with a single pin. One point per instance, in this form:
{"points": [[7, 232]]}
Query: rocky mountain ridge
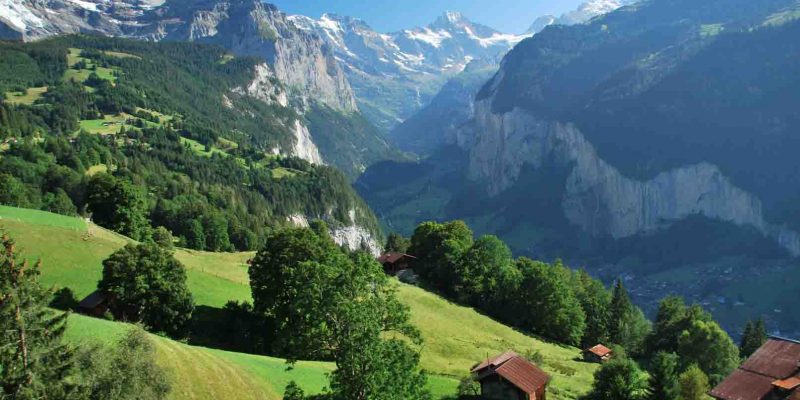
{"points": [[410, 65]]}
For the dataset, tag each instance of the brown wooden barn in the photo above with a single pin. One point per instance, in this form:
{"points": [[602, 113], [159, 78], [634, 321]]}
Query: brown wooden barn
{"points": [[95, 304], [771, 373], [395, 262], [597, 354], [511, 377]]}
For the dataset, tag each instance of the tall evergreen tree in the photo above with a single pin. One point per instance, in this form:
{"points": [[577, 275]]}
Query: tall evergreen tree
{"points": [[34, 361], [754, 335], [595, 301], [627, 324], [664, 377], [671, 320]]}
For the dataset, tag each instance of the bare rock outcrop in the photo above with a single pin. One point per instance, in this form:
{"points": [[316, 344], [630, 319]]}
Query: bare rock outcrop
{"points": [[597, 196]]}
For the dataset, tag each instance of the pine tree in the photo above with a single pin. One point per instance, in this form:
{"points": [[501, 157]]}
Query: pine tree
{"points": [[620, 306], [664, 377], [754, 335], [627, 325], [595, 300], [35, 362]]}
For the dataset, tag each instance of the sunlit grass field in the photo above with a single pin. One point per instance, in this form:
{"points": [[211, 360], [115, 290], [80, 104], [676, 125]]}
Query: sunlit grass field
{"points": [[455, 337]]}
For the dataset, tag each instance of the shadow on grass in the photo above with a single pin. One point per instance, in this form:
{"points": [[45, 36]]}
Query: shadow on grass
{"points": [[233, 328]]}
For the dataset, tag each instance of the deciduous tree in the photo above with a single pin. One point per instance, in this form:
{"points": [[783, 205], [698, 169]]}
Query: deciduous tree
{"points": [[619, 379], [148, 285], [397, 243], [694, 384], [546, 304]]}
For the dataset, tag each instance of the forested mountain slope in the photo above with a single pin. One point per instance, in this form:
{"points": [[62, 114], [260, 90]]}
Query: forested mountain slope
{"points": [[140, 135], [663, 125], [310, 77]]}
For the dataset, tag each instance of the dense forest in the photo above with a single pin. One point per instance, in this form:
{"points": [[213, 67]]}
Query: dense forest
{"points": [[136, 136]]}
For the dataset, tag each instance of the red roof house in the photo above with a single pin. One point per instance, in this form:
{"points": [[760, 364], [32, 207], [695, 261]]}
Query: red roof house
{"points": [[511, 377], [597, 353], [772, 372]]}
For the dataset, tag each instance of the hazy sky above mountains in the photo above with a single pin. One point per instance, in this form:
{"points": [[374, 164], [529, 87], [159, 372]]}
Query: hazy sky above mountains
{"points": [[511, 16]]}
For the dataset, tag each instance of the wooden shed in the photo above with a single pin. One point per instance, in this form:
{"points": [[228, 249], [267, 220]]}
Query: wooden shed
{"points": [[771, 373], [511, 377], [96, 304], [597, 354], [395, 262]]}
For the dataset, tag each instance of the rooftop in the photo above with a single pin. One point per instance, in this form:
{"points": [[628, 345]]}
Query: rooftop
{"points": [[773, 368], [515, 369], [599, 350]]}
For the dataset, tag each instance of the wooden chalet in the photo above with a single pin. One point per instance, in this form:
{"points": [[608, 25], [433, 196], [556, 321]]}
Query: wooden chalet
{"points": [[395, 262], [597, 354], [95, 304], [771, 373], [511, 377]]}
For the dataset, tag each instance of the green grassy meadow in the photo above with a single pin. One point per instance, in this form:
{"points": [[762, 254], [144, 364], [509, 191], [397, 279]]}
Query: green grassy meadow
{"points": [[455, 337], [82, 75], [109, 125], [33, 94]]}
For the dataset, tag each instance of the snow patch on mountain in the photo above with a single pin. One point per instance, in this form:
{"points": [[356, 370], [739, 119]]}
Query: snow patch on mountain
{"points": [[426, 35], [585, 12], [89, 6], [18, 16]]}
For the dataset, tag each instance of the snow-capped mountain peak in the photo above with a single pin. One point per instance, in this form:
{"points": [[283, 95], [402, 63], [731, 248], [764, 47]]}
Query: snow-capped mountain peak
{"points": [[585, 12], [447, 44]]}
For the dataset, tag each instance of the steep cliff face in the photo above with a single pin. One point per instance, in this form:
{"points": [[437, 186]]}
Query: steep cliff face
{"points": [[299, 59], [597, 197], [353, 237], [266, 87], [638, 113], [304, 146]]}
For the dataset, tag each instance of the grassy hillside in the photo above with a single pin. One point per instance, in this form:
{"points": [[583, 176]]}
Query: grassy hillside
{"points": [[455, 337]]}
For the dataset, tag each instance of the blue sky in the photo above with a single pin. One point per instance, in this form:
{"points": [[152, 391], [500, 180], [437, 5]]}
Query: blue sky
{"points": [[512, 16]]}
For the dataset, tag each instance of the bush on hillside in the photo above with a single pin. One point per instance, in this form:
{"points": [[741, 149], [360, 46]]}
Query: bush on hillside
{"points": [[126, 370]]}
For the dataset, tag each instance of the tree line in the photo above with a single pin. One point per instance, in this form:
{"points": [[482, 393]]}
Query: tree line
{"points": [[682, 348]]}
